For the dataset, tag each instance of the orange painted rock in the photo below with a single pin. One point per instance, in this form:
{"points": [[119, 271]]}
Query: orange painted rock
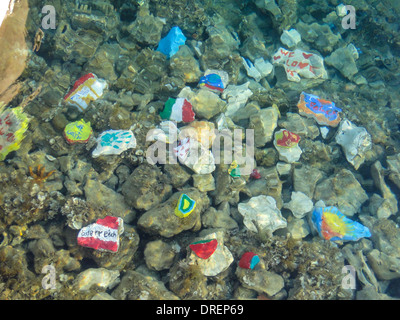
{"points": [[323, 111]]}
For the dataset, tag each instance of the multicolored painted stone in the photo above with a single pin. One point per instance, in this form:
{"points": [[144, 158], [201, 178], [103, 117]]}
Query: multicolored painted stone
{"points": [[287, 139], [102, 235], [205, 248], [323, 111], [78, 132], [114, 142], [249, 260], [185, 206], [13, 125], [234, 170], [333, 225], [213, 82], [86, 89], [178, 110]]}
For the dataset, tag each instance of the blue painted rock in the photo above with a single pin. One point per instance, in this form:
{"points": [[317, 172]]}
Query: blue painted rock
{"points": [[169, 45]]}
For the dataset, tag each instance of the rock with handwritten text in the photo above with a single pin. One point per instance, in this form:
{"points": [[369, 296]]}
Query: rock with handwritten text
{"points": [[102, 235], [323, 111], [300, 63], [77, 132]]}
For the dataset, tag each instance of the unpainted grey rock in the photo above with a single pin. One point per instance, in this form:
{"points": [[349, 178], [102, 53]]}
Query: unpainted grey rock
{"points": [[343, 191], [204, 182], [264, 124], [260, 280], [98, 195], [220, 218], [146, 187], [305, 179], [99, 277], [159, 255], [136, 286]]}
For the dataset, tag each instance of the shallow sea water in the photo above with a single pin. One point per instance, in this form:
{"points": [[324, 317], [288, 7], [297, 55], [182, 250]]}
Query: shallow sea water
{"points": [[52, 189]]}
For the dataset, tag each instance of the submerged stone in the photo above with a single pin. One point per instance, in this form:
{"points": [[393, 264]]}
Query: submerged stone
{"points": [[261, 214], [185, 206], [78, 132], [249, 260], [300, 63], [86, 89], [333, 225], [323, 111], [355, 142], [114, 142], [169, 45], [204, 248]]}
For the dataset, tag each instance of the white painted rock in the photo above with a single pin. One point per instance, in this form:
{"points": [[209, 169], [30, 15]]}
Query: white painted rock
{"points": [[114, 142], [261, 213]]}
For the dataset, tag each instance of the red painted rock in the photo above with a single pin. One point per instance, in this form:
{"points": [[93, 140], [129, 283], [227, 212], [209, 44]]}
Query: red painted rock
{"points": [[255, 174], [205, 248], [102, 235], [249, 260]]}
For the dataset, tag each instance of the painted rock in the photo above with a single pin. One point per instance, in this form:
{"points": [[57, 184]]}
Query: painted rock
{"points": [[255, 174], [185, 206], [178, 110], [286, 139], [13, 125], [249, 260], [214, 80], [78, 132], [102, 235], [323, 111], [169, 45], [300, 63], [333, 225], [286, 143], [114, 142], [205, 248], [234, 169], [86, 89]]}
